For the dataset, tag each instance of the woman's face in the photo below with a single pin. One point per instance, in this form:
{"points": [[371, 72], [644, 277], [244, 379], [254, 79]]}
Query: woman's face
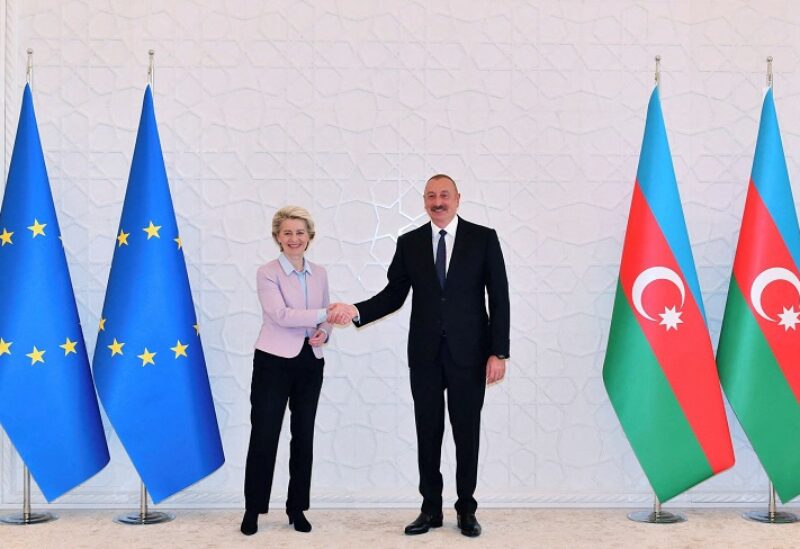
{"points": [[293, 237]]}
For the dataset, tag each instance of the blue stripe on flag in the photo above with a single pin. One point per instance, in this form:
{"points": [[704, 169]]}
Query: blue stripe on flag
{"points": [[656, 177], [772, 179]]}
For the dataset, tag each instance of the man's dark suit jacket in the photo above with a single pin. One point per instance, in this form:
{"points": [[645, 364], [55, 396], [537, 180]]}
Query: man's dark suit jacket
{"points": [[459, 311]]}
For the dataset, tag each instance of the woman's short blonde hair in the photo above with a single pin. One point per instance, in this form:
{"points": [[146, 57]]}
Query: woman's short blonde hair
{"points": [[292, 212]]}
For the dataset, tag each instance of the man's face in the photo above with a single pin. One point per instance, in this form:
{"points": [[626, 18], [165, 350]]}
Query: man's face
{"points": [[441, 201]]}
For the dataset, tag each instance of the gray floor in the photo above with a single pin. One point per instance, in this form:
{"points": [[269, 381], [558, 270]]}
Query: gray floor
{"points": [[382, 529]]}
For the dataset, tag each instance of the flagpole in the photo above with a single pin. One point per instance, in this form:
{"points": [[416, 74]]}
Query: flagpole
{"points": [[771, 515], [769, 71], [145, 516], [657, 515], [27, 517], [29, 69], [658, 72], [150, 70]]}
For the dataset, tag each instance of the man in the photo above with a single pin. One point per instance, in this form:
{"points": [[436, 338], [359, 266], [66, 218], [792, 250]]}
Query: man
{"points": [[453, 344]]}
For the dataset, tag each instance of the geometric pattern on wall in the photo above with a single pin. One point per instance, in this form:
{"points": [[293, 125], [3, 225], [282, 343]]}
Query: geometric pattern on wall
{"points": [[535, 108]]}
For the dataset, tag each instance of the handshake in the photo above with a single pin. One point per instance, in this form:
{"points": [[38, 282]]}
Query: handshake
{"points": [[341, 313]]}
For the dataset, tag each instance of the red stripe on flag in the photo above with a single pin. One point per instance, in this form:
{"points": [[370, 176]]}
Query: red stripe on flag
{"points": [[684, 353], [761, 247]]}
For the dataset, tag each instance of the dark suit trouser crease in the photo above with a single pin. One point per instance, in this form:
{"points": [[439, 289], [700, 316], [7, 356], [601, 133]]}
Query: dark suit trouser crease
{"points": [[466, 388], [276, 381]]}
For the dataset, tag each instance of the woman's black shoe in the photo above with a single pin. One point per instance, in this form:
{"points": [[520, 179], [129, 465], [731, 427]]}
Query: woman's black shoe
{"points": [[300, 521], [249, 523]]}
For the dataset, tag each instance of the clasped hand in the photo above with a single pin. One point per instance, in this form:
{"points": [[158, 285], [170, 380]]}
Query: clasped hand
{"points": [[341, 313], [344, 313]]}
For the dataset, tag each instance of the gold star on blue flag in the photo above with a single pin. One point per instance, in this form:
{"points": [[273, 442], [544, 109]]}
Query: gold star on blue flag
{"points": [[158, 400], [48, 406]]}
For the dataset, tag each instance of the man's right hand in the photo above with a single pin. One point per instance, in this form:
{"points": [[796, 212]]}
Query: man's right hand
{"points": [[341, 313]]}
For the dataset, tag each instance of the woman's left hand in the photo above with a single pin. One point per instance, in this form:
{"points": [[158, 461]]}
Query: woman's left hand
{"points": [[318, 338]]}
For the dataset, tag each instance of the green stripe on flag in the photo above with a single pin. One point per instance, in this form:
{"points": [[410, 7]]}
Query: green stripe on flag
{"points": [[650, 415], [760, 395]]}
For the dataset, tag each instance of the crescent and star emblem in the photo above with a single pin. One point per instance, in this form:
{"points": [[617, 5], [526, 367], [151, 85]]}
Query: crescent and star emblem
{"points": [[671, 316], [789, 318]]}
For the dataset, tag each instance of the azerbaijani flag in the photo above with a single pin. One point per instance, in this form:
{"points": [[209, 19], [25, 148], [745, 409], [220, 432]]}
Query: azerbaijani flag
{"points": [[759, 347], [659, 369]]}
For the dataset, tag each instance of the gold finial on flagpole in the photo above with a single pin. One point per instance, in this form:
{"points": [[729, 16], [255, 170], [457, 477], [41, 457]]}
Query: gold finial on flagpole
{"points": [[769, 71], [29, 68], [658, 70], [150, 70]]}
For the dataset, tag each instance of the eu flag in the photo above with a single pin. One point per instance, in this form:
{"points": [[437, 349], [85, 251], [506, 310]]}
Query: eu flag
{"points": [[47, 402], [148, 363]]}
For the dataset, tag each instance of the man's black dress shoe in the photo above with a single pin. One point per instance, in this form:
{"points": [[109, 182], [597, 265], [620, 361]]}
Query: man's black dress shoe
{"points": [[249, 523], [469, 525], [300, 521], [423, 523]]}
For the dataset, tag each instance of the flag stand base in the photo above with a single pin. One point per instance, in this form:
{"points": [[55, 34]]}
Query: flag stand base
{"points": [[771, 515], [28, 518], [653, 517], [144, 516], [150, 517], [656, 516], [777, 517]]}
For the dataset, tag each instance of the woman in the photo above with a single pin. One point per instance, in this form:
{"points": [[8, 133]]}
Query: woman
{"points": [[287, 366]]}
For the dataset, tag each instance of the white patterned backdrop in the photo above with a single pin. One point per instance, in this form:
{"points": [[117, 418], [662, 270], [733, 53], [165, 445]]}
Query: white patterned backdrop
{"points": [[346, 107]]}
